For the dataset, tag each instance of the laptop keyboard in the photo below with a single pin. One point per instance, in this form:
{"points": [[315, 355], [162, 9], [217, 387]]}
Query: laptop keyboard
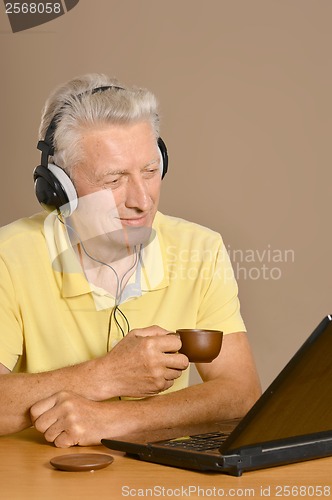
{"points": [[199, 442]]}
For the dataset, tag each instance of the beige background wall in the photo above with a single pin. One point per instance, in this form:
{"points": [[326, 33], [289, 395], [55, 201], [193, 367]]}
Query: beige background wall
{"points": [[245, 92]]}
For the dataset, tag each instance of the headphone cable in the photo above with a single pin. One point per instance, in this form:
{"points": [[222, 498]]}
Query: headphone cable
{"points": [[119, 283]]}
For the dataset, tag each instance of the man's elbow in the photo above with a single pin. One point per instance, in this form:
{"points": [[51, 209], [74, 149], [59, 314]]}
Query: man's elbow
{"points": [[248, 397]]}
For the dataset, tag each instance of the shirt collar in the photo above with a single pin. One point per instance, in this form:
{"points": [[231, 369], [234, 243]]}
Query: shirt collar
{"points": [[151, 273]]}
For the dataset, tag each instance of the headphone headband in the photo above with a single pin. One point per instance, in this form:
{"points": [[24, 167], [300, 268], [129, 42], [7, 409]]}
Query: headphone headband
{"points": [[47, 145]]}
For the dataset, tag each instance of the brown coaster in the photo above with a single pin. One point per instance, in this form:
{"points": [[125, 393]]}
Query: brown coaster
{"points": [[81, 461]]}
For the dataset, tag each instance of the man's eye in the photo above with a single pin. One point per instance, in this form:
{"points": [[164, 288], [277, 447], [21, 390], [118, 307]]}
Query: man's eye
{"points": [[151, 171], [112, 182]]}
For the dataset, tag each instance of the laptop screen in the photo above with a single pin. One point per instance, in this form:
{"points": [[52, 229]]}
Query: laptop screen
{"points": [[299, 401]]}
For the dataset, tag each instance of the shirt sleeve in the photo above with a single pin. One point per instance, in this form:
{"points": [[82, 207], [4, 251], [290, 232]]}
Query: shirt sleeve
{"points": [[11, 338], [220, 306]]}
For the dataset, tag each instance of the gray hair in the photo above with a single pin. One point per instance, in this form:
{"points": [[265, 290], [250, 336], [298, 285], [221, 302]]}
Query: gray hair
{"points": [[75, 107]]}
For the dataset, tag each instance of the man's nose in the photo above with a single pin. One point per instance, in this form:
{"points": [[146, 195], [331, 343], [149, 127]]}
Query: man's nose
{"points": [[137, 195]]}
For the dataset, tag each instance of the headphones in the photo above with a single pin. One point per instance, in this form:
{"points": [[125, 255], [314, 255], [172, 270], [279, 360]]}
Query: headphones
{"points": [[53, 186]]}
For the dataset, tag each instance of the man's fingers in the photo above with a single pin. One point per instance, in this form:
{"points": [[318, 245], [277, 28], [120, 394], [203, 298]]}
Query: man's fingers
{"points": [[172, 374], [163, 342], [41, 407], [63, 440], [177, 361], [150, 331]]}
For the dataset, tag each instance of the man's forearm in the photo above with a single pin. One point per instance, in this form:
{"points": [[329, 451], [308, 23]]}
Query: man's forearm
{"points": [[19, 391], [212, 401], [229, 390], [67, 419]]}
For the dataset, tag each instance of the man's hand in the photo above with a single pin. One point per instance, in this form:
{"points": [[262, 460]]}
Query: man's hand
{"points": [[142, 364], [68, 419]]}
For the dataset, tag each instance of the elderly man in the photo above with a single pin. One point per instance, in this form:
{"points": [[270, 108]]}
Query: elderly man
{"points": [[91, 288]]}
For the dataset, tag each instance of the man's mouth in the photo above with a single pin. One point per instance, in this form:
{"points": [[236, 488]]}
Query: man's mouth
{"points": [[134, 221]]}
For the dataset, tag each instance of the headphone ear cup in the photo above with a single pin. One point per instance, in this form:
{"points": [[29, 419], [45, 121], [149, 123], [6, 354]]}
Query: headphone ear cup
{"points": [[54, 189], [164, 156]]}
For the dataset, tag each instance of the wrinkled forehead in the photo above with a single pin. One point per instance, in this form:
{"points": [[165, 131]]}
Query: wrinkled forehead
{"points": [[121, 145]]}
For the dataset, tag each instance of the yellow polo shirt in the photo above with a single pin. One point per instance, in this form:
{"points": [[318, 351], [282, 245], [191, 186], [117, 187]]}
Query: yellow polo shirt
{"points": [[51, 317]]}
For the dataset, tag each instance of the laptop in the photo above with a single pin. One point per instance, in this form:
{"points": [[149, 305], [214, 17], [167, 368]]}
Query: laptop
{"points": [[291, 422]]}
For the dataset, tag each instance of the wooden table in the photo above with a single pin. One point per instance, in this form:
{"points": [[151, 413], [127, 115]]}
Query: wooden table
{"points": [[25, 473]]}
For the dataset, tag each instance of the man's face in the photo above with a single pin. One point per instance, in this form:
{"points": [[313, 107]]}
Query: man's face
{"points": [[118, 183]]}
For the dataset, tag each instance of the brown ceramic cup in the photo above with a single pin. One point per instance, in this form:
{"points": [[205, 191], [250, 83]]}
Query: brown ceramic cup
{"points": [[200, 346]]}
